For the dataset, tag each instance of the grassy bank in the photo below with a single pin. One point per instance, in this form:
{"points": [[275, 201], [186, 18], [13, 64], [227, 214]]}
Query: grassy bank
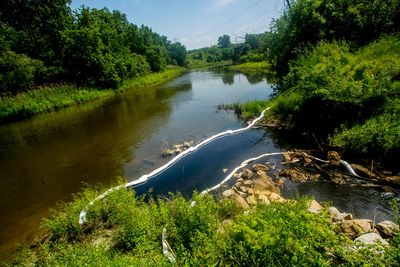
{"points": [[263, 66], [198, 64], [46, 99], [351, 96], [124, 230]]}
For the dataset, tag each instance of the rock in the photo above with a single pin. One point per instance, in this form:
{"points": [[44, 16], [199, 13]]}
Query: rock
{"points": [[247, 174], [260, 167], [280, 181], [350, 229], [314, 207], [354, 228], [333, 212], [333, 158], [387, 228], [168, 152], [178, 147], [263, 199], [371, 239], [336, 216], [251, 200], [364, 224], [296, 175], [240, 193], [244, 189], [286, 157], [274, 197], [240, 202], [238, 175], [228, 193], [187, 144], [224, 170], [265, 182]]}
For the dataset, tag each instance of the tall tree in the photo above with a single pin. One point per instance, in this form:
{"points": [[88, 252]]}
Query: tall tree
{"points": [[224, 41]]}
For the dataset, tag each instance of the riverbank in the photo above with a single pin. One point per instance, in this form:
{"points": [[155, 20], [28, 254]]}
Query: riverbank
{"points": [[46, 99], [348, 99], [263, 67], [122, 229]]}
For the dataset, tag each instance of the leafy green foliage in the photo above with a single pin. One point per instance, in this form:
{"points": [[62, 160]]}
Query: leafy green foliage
{"points": [[333, 88], [123, 229], [18, 72], [44, 99], [308, 22], [89, 47]]}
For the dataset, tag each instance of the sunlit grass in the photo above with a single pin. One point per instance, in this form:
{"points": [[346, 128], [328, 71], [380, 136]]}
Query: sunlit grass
{"points": [[45, 99]]}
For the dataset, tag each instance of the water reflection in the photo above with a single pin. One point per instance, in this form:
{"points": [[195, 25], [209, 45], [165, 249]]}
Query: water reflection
{"points": [[45, 159]]}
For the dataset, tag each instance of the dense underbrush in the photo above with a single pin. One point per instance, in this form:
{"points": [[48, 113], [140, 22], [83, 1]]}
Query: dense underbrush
{"points": [[125, 230]]}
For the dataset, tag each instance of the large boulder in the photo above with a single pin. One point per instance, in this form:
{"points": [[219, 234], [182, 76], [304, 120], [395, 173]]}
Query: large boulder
{"points": [[251, 200], [337, 216], [371, 239], [240, 201], [355, 228], [315, 207], [387, 228], [274, 197]]}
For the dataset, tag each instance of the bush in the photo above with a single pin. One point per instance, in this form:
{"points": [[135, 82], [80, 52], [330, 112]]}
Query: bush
{"points": [[354, 94], [125, 230], [18, 72]]}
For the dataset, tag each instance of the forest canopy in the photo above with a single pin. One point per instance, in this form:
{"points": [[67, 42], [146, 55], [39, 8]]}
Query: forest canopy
{"points": [[45, 42]]}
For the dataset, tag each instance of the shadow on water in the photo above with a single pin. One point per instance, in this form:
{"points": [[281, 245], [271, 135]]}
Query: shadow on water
{"points": [[45, 159]]}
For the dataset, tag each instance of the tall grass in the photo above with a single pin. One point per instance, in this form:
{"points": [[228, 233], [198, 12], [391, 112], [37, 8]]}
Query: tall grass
{"points": [[257, 66], [46, 99]]}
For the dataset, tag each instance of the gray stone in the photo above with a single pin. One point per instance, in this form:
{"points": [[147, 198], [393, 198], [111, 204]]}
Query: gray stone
{"points": [[371, 239]]}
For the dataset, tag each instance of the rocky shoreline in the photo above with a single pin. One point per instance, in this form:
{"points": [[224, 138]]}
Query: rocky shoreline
{"points": [[254, 186]]}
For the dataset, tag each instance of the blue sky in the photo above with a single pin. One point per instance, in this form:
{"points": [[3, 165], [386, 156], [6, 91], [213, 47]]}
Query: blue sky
{"points": [[196, 23]]}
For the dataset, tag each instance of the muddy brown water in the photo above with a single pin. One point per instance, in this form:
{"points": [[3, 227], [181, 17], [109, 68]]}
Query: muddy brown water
{"points": [[45, 159]]}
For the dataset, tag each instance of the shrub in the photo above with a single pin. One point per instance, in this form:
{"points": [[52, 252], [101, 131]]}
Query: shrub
{"points": [[18, 72]]}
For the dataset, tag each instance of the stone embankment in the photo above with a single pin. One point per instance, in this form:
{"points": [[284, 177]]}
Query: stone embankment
{"points": [[255, 186]]}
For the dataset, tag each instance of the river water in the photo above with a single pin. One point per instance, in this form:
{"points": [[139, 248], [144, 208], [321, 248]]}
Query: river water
{"points": [[47, 158]]}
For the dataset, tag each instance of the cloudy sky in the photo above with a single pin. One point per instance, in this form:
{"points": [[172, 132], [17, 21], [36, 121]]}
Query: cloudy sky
{"points": [[195, 23]]}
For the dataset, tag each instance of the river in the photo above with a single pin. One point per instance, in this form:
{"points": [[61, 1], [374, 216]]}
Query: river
{"points": [[45, 159]]}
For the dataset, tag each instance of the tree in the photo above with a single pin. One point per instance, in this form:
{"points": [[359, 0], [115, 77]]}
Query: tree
{"points": [[177, 52], [224, 41]]}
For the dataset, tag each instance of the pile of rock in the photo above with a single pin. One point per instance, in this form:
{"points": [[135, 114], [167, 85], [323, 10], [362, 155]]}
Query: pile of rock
{"points": [[177, 149], [254, 186], [360, 230]]}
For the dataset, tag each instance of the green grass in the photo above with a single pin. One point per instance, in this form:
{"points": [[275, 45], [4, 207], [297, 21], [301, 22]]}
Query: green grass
{"points": [[46, 99], [198, 64], [124, 230], [256, 66], [248, 109], [352, 94]]}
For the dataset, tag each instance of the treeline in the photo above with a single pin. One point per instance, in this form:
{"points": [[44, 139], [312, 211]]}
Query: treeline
{"points": [[307, 22], [251, 50], [45, 42], [338, 62]]}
